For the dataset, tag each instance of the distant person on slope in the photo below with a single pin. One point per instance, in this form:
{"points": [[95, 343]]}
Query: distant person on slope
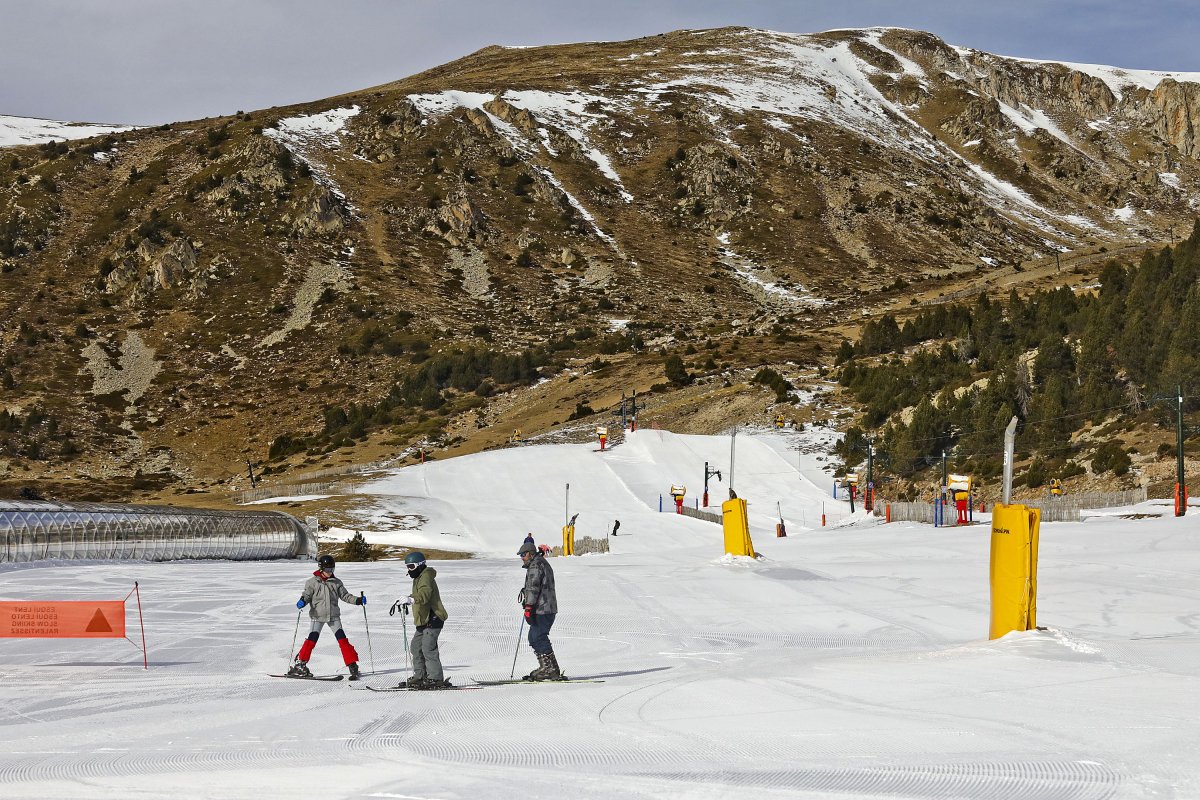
{"points": [[429, 615], [321, 594], [540, 604]]}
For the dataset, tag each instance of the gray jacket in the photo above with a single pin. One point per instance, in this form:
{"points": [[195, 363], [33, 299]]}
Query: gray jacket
{"points": [[539, 586], [321, 594]]}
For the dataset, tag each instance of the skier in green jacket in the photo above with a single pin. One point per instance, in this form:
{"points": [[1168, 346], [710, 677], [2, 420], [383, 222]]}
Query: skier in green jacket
{"points": [[429, 615]]}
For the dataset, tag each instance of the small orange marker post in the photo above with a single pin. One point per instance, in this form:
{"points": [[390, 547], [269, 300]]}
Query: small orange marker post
{"points": [[69, 619]]}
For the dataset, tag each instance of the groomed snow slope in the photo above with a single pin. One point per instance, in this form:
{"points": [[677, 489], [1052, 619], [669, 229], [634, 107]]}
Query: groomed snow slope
{"points": [[848, 662], [483, 503]]}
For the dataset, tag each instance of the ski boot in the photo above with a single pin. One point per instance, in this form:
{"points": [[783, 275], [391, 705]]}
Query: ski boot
{"points": [[554, 673], [299, 670], [543, 670], [354, 673], [414, 683]]}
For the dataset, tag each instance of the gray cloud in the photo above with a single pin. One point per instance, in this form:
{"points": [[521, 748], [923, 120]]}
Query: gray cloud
{"points": [[152, 61]]}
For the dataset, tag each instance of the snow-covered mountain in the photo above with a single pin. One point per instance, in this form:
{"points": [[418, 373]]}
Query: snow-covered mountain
{"points": [[717, 186], [19, 131]]}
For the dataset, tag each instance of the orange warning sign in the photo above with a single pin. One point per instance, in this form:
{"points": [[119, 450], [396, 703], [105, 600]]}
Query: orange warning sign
{"points": [[67, 619]]}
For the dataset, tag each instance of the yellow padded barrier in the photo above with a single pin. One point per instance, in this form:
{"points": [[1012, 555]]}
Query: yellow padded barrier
{"points": [[1013, 572], [568, 540], [737, 528]]}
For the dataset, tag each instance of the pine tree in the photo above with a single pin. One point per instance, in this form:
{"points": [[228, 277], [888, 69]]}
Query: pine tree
{"points": [[357, 549], [1182, 367]]}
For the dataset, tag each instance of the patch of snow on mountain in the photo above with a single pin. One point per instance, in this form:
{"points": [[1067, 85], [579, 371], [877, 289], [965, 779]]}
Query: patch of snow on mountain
{"points": [[565, 110], [768, 290], [436, 105], [1082, 222], [1170, 179], [574, 114], [17, 131], [575, 204], [1031, 119], [1003, 190], [1124, 214], [874, 37], [1117, 79], [322, 128], [635, 56], [307, 132]]}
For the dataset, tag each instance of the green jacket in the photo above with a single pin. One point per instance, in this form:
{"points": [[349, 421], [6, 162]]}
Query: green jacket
{"points": [[427, 600]]}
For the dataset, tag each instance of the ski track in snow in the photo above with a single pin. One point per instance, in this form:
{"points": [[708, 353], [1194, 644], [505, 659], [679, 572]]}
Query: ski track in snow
{"points": [[850, 660]]}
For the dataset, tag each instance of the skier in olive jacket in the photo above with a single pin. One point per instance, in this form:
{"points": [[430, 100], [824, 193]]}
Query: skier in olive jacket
{"points": [[429, 615], [321, 594], [540, 604]]}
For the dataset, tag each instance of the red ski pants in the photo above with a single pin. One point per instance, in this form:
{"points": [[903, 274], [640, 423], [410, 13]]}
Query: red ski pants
{"points": [[349, 654]]}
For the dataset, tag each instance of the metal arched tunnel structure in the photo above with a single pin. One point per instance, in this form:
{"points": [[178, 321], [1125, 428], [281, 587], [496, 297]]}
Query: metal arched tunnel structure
{"points": [[39, 530]]}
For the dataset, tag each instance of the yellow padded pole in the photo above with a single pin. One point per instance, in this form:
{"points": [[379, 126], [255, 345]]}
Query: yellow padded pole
{"points": [[568, 540], [736, 527], [1013, 570]]}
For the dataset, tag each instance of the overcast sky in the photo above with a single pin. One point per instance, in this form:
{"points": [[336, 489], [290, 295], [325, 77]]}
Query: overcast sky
{"points": [[154, 61]]}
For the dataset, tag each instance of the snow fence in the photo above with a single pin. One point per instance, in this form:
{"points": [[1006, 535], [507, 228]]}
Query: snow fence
{"points": [[38, 530]]}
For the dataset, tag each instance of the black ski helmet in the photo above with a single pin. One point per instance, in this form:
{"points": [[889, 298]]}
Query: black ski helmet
{"points": [[326, 562]]}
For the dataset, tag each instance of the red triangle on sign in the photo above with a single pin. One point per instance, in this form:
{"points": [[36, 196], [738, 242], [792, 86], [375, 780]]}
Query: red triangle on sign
{"points": [[98, 624]]}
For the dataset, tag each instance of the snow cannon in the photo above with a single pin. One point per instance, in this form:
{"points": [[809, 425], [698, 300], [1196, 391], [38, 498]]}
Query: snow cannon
{"points": [[960, 486], [677, 493], [602, 435], [852, 487], [568, 533]]}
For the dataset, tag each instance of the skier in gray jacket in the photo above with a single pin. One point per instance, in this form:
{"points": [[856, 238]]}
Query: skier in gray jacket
{"points": [[540, 604], [321, 594]]}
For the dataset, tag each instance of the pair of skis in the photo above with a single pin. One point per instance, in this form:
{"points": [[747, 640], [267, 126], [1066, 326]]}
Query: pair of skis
{"points": [[476, 685]]}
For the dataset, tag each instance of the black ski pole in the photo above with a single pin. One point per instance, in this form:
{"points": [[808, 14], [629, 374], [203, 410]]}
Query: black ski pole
{"points": [[518, 649], [370, 649], [296, 633], [403, 608]]}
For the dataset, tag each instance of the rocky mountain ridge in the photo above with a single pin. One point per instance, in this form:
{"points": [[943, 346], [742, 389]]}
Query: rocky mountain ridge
{"points": [[741, 194]]}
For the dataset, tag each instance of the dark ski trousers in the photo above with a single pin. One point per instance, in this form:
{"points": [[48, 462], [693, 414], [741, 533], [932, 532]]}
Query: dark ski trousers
{"points": [[539, 632], [427, 661]]}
